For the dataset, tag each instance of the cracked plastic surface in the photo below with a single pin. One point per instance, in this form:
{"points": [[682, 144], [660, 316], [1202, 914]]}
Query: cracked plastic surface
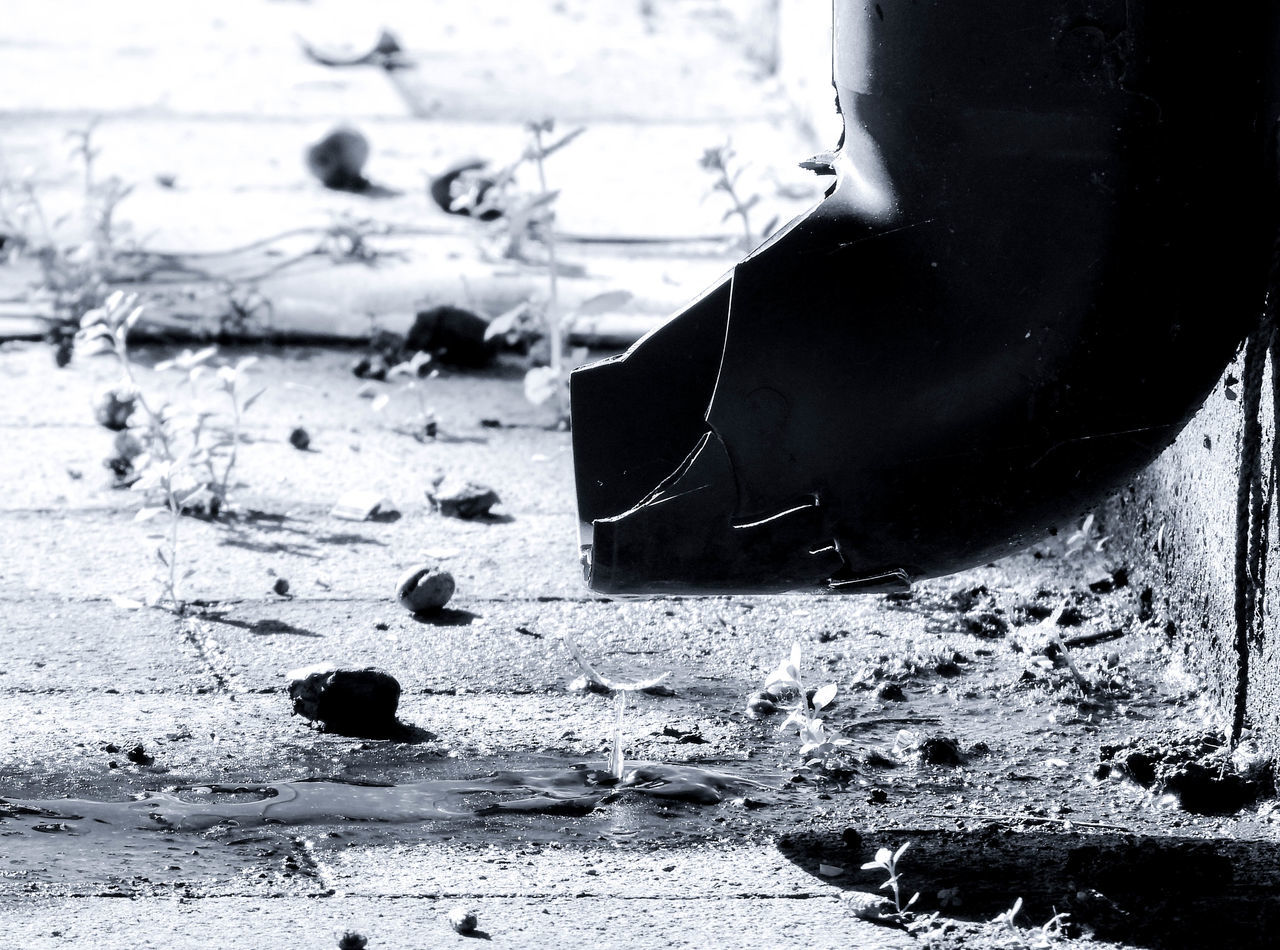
{"points": [[1050, 231]]}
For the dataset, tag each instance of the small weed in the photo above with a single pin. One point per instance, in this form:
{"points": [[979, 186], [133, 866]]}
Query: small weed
{"points": [[1085, 539], [595, 681], [521, 215], [818, 746], [414, 373], [1043, 937], [184, 465], [887, 861], [719, 161], [75, 275]]}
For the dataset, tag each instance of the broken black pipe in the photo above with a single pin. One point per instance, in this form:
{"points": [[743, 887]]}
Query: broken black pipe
{"points": [[1048, 235]]}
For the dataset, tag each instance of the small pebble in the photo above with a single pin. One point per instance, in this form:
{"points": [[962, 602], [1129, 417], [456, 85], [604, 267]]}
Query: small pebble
{"points": [[138, 756], [462, 920], [459, 499], [425, 589], [300, 439], [353, 941], [281, 586], [760, 705], [338, 159]]}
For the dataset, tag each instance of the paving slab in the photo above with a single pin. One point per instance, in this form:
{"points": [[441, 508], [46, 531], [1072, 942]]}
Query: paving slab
{"points": [[66, 644], [411, 923]]}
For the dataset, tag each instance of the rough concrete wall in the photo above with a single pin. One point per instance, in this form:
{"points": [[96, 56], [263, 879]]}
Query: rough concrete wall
{"points": [[1195, 529]]}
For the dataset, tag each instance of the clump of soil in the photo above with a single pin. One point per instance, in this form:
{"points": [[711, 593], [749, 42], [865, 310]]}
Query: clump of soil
{"points": [[350, 702], [1198, 768]]}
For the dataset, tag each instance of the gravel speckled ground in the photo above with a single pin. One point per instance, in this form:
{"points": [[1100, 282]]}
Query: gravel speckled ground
{"points": [[486, 688]]}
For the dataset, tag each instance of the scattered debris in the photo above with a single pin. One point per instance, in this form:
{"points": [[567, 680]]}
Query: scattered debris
{"points": [[684, 736], [890, 693], [867, 905], [930, 750], [300, 439], [362, 505], [113, 407], [1110, 582], [425, 590], [462, 189], [338, 160], [374, 366], [985, 623], [360, 702], [386, 53], [1199, 769], [463, 921], [462, 499], [454, 336]]}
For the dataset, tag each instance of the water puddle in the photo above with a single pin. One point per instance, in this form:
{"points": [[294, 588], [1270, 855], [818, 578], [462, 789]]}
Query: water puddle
{"points": [[216, 832], [577, 790]]}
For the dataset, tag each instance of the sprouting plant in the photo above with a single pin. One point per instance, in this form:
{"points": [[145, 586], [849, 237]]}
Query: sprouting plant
{"points": [[818, 745], [181, 467], [887, 861], [719, 161], [521, 215], [1043, 937], [524, 324], [1085, 539], [231, 381], [1006, 919], [413, 371], [76, 272], [595, 681], [1046, 935]]}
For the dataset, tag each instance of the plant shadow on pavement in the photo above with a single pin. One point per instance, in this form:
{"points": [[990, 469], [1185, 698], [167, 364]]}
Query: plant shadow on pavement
{"points": [[1150, 891], [262, 628], [272, 535]]}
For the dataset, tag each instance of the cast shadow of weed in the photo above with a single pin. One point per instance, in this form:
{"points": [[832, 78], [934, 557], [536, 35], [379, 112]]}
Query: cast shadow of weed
{"points": [[263, 628]]}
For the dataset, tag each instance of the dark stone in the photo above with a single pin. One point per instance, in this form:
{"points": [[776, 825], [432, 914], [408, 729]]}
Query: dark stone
{"points": [[441, 190], [374, 366], [338, 160], [465, 500], [985, 623], [454, 336], [890, 693], [138, 756], [940, 750], [300, 439], [350, 702]]}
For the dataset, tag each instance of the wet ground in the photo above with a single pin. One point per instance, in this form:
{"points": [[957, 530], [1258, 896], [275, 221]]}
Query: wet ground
{"points": [[154, 757]]}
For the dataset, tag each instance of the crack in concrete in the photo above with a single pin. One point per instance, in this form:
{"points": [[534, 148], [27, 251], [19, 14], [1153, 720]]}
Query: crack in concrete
{"points": [[207, 649]]}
